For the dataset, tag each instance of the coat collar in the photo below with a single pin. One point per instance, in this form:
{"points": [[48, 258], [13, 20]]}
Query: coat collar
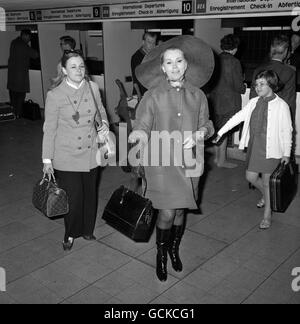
{"points": [[165, 85], [71, 91]]}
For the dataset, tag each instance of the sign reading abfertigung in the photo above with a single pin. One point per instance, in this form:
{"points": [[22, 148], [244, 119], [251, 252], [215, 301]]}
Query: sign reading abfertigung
{"points": [[148, 9], [244, 6]]}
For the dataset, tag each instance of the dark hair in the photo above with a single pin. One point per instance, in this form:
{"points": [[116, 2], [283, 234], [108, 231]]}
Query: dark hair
{"points": [[229, 42], [25, 32], [151, 34], [272, 79], [68, 40], [66, 56]]}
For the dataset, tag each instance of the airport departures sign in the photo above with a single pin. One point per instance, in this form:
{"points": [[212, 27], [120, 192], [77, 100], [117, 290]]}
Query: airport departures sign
{"points": [[153, 9], [219, 7]]}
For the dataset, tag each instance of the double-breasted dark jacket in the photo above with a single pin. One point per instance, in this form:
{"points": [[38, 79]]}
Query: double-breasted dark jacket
{"points": [[70, 145], [169, 109], [18, 65]]}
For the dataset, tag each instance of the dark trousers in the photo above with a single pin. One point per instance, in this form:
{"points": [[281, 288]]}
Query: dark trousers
{"points": [[17, 100], [81, 188]]}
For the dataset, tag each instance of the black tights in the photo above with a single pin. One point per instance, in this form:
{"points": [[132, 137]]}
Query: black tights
{"points": [[169, 217]]}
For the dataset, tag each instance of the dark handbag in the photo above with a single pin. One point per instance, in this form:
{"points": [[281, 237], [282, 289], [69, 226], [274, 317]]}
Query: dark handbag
{"points": [[49, 198], [31, 110], [130, 214], [283, 186]]}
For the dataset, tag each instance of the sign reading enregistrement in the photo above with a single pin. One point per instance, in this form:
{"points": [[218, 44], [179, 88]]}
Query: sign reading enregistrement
{"points": [[148, 9], [244, 6]]}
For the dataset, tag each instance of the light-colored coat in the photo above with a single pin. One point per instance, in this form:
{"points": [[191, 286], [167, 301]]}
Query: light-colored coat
{"points": [[71, 146], [165, 108], [279, 129]]}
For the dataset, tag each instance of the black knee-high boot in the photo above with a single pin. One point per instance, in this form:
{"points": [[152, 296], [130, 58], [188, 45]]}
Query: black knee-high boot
{"points": [[173, 248], [162, 241]]}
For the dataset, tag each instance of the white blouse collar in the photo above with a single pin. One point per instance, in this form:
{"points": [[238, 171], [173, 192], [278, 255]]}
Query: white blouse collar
{"points": [[73, 85]]}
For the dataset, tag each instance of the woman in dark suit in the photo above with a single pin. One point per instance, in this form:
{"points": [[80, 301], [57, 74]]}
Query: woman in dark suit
{"points": [[70, 144], [174, 105], [226, 96]]}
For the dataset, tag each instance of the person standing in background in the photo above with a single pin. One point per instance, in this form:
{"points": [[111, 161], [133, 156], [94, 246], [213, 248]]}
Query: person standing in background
{"points": [[287, 75], [18, 70], [226, 96], [294, 58], [149, 42]]}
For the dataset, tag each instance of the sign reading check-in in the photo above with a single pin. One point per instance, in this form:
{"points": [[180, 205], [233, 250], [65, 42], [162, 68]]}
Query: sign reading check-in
{"points": [[243, 6], [148, 9]]}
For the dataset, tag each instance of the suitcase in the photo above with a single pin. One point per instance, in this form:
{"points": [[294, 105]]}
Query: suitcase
{"points": [[283, 186], [6, 112], [130, 214], [31, 110]]}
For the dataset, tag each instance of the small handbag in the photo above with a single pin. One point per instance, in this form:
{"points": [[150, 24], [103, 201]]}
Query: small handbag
{"points": [[283, 186], [108, 148], [130, 213], [51, 200]]}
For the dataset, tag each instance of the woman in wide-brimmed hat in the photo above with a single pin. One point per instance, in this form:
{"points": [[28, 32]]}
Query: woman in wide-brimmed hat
{"points": [[173, 72]]}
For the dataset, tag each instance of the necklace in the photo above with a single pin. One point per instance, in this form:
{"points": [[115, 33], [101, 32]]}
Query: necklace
{"points": [[76, 115]]}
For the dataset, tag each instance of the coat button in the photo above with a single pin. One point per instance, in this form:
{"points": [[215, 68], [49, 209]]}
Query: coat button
{"points": [[75, 102], [89, 136], [89, 111], [179, 114], [79, 138], [79, 148], [89, 147], [89, 121]]}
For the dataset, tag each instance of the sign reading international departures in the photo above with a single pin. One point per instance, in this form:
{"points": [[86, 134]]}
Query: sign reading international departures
{"points": [[58, 14], [153, 9], [148, 9]]}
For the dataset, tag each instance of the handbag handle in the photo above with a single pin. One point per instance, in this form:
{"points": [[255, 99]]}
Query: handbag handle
{"points": [[95, 103]]}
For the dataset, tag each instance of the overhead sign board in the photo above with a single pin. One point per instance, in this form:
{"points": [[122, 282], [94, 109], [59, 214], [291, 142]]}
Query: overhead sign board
{"points": [[70, 14], [17, 16], [154, 9], [59, 14], [219, 7], [148, 9]]}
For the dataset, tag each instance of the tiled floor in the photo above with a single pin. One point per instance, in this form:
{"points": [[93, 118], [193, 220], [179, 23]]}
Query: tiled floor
{"points": [[226, 258]]}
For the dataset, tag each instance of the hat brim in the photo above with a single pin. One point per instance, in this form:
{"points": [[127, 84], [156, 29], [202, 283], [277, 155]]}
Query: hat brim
{"points": [[198, 54]]}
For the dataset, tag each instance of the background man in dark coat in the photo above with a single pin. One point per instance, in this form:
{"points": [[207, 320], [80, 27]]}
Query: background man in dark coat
{"points": [[149, 42], [287, 74], [18, 70]]}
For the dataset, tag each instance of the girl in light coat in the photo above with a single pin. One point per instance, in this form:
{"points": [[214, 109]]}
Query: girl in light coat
{"points": [[267, 133]]}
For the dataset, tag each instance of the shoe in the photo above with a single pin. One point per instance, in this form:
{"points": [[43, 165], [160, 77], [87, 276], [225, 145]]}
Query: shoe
{"points": [[261, 203], [265, 224], [89, 237], [67, 246]]}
